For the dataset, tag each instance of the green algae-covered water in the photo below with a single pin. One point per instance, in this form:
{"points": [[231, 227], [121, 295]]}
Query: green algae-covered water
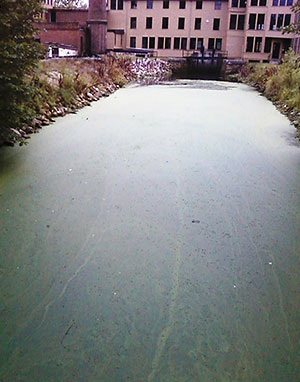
{"points": [[154, 236]]}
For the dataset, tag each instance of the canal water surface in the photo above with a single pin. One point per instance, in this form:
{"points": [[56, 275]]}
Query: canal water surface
{"points": [[154, 236]]}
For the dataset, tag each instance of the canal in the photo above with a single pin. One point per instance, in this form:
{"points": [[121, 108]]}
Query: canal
{"points": [[154, 236]]}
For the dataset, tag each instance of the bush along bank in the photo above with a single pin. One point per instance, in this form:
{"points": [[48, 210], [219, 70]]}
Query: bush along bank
{"points": [[279, 83], [65, 85]]}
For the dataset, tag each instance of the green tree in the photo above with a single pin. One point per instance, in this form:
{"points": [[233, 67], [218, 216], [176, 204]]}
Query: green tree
{"points": [[70, 3], [19, 56]]}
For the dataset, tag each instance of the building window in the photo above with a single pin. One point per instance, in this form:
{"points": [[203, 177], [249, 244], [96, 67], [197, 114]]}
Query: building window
{"points": [[218, 44], [168, 43], [216, 25], [120, 4], [260, 21], [232, 23], [243, 3], [252, 21], [262, 3], [211, 43], [273, 22], [176, 42], [287, 20], [183, 43], [241, 22], [198, 4], [275, 3], [279, 21], [282, 3], [53, 16], [165, 23], [192, 43], [151, 42], [218, 5], [149, 4], [289, 3], [199, 43], [254, 3], [145, 42], [235, 3], [148, 22], [249, 47], [181, 23], [268, 43], [132, 42], [132, 22], [133, 4], [197, 23], [257, 45], [182, 4], [166, 4], [113, 4]]}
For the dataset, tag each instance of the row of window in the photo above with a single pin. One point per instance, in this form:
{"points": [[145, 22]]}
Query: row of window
{"points": [[260, 3], [119, 4], [181, 23], [257, 21], [178, 43]]}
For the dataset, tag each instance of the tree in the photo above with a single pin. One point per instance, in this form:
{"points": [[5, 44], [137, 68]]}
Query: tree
{"points": [[19, 55], [70, 4], [295, 27]]}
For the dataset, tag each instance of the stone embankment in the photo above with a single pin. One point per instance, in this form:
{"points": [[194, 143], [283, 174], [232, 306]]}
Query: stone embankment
{"points": [[64, 86]]}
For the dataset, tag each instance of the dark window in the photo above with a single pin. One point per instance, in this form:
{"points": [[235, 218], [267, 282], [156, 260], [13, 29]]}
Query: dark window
{"points": [[192, 43], [287, 20], [182, 4], [218, 5], [176, 42], [120, 4], [254, 3], [241, 22], [168, 43], [199, 4], [268, 42], [160, 44], [262, 3], [148, 22], [279, 21], [53, 16], [145, 42], [133, 4], [243, 3], [183, 43], [198, 23], [252, 20], [151, 42], [181, 23], [289, 3], [199, 43], [257, 45], [260, 21], [249, 47], [218, 44], [211, 43], [113, 4], [282, 3], [273, 22], [232, 23], [149, 4], [166, 4], [165, 23], [132, 22], [275, 3], [216, 25], [132, 42], [235, 3]]}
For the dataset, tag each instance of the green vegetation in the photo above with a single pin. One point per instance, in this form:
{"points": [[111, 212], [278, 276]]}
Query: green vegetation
{"points": [[18, 59], [279, 83]]}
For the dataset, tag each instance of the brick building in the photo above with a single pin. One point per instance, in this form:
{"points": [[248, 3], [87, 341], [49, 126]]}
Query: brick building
{"points": [[241, 29]]}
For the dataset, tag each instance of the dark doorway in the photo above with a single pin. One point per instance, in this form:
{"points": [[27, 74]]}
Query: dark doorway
{"points": [[276, 50]]}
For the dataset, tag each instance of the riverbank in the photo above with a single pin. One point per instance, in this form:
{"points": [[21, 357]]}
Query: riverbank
{"points": [[65, 85], [279, 83]]}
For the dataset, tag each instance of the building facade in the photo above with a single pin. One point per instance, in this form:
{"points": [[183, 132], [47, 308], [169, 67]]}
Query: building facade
{"points": [[238, 29]]}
